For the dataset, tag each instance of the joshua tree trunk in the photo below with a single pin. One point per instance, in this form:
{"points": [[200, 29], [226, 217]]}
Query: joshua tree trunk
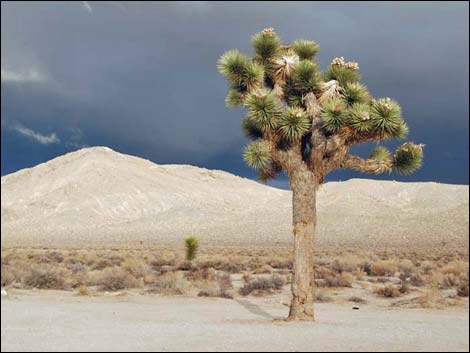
{"points": [[303, 185]]}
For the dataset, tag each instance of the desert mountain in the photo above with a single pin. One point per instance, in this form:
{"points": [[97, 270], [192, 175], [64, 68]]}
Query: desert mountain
{"points": [[99, 197]]}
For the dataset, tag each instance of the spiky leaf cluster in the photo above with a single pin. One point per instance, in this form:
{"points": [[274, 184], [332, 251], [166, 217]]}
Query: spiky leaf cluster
{"points": [[380, 153], [252, 131], [305, 49], [359, 117], [257, 155], [354, 92], [264, 110], [267, 45], [386, 118], [234, 98], [306, 77], [241, 71], [408, 158], [342, 74], [333, 115], [293, 124]]}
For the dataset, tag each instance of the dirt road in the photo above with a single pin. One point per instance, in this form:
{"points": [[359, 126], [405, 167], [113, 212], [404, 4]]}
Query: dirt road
{"points": [[54, 321]]}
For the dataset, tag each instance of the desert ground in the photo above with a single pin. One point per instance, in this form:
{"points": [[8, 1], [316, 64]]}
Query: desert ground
{"points": [[56, 321], [93, 258]]}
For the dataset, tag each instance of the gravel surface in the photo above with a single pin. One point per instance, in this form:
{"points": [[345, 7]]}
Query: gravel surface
{"points": [[50, 321]]}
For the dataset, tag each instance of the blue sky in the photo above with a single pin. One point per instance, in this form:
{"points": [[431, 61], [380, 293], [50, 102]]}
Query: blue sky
{"points": [[141, 77]]}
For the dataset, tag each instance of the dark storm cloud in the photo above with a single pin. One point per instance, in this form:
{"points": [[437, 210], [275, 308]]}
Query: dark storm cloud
{"points": [[142, 79]]}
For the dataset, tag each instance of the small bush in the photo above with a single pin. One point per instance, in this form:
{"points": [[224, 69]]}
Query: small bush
{"points": [[192, 244], [116, 278], [387, 291], [171, 284], [263, 270], [262, 285], [358, 300], [383, 268], [462, 290], [83, 291], [45, 277], [337, 280], [7, 276]]}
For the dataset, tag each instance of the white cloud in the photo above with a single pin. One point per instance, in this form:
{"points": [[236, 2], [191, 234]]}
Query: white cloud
{"points": [[32, 75], [87, 6], [36, 136]]}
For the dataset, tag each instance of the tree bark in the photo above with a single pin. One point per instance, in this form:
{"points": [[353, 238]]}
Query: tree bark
{"points": [[303, 185]]}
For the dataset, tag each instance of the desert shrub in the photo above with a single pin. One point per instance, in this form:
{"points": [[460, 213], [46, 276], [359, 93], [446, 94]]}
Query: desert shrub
{"points": [[218, 288], [205, 274], [427, 267], [383, 268], [281, 264], [115, 278], [265, 269], [83, 291], [344, 279], [101, 264], [358, 300], [462, 289], [136, 268], [55, 257], [388, 291], [262, 285], [172, 283], [456, 268], [45, 277], [418, 280], [184, 266], [347, 264], [231, 267], [431, 298], [7, 276], [192, 245], [156, 264]]}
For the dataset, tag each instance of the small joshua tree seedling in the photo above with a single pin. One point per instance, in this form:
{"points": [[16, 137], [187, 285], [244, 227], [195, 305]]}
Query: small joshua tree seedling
{"points": [[304, 122], [192, 245]]}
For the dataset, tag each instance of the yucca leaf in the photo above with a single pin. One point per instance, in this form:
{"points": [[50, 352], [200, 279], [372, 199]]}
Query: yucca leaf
{"points": [[257, 155], [380, 153], [359, 117], [333, 115], [251, 130], [305, 77], [234, 98], [305, 49], [354, 92], [264, 110], [232, 64], [267, 45], [342, 74], [408, 158], [294, 123], [386, 118]]}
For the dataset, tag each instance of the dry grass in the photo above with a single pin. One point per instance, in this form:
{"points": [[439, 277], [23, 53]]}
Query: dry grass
{"points": [[388, 291], [261, 285], [267, 271]]}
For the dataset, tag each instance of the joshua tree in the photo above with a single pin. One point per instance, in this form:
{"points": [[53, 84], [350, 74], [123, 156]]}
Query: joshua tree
{"points": [[192, 244], [303, 122]]}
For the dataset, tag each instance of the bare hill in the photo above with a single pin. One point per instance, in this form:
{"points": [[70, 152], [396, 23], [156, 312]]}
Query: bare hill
{"points": [[98, 197]]}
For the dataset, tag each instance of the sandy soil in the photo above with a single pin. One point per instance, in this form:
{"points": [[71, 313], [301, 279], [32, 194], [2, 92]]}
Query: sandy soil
{"points": [[61, 321]]}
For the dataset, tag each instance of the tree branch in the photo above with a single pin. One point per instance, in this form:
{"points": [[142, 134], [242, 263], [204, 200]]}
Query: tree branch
{"points": [[369, 165]]}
